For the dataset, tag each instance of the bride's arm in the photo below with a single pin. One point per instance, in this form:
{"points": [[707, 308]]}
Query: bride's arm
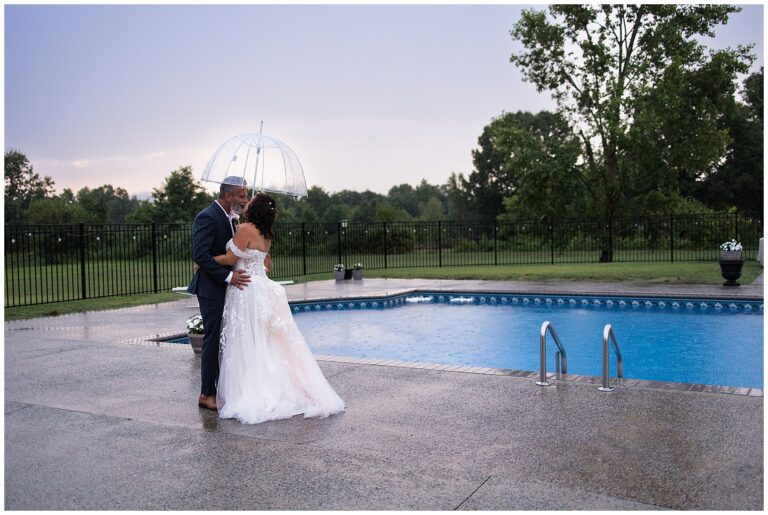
{"points": [[227, 259], [241, 241]]}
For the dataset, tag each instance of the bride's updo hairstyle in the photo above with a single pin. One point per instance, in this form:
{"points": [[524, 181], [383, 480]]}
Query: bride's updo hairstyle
{"points": [[261, 212]]}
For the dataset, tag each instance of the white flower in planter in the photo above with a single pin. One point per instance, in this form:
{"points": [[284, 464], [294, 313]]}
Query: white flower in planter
{"points": [[729, 246], [195, 325]]}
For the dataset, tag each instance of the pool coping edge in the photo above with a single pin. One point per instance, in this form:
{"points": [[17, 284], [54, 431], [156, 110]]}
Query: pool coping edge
{"points": [[473, 369]]}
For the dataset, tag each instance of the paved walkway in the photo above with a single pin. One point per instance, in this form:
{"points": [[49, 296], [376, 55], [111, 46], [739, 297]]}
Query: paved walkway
{"points": [[92, 422]]}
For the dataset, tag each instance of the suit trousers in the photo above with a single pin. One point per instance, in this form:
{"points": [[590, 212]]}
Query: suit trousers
{"points": [[212, 311]]}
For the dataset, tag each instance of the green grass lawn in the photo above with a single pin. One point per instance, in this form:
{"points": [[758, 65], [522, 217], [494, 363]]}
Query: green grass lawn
{"points": [[651, 273], [80, 306]]}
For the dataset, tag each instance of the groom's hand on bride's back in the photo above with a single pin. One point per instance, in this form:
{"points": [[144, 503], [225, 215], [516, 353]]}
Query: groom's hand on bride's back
{"points": [[240, 279]]}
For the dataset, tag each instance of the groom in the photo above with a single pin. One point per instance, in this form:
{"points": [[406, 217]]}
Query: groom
{"points": [[210, 232]]}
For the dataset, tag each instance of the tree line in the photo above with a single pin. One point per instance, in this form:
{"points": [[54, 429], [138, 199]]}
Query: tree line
{"points": [[649, 122], [31, 199]]}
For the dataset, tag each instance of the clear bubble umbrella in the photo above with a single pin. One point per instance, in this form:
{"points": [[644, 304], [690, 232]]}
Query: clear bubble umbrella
{"points": [[265, 163]]}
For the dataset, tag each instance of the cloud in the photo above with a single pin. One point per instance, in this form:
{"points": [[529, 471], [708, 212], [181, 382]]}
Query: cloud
{"points": [[91, 162]]}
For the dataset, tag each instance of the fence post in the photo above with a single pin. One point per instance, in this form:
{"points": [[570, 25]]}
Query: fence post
{"points": [[304, 248], [154, 256], [338, 233], [386, 249], [736, 226], [609, 227], [671, 237], [551, 241], [440, 243], [82, 260], [495, 244]]}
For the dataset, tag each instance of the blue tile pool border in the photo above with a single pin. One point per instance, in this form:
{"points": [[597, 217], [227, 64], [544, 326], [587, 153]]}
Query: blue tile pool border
{"points": [[511, 299]]}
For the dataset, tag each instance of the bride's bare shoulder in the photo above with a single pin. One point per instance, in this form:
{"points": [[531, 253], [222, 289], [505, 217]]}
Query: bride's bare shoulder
{"points": [[247, 227], [255, 239]]}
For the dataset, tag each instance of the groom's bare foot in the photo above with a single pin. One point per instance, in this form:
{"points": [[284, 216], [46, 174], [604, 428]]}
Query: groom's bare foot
{"points": [[207, 402]]}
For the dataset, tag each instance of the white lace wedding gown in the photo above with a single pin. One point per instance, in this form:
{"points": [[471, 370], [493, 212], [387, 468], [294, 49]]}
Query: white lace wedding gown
{"points": [[266, 371]]}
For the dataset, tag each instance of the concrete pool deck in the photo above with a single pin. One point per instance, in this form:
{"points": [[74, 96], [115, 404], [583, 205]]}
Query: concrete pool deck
{"points": [[95, 422]]}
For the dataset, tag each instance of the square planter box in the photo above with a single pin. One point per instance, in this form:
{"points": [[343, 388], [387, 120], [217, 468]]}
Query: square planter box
{"points": [[196, 342], [343, 274], [357, 275]]}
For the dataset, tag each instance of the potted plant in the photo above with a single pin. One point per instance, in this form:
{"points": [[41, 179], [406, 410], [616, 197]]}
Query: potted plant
{"points": [[195, 331], [338, 270], [731, 262], [357, 271]]}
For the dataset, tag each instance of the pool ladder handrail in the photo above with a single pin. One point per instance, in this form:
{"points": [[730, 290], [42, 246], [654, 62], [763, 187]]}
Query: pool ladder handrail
{"points": [[560, 357], [608, 333]]}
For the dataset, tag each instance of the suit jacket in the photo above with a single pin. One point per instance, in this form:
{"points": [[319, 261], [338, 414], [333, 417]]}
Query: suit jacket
{"points": [[211, 231]]}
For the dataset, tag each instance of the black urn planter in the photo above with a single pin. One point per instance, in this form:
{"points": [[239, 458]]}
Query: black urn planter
{"points": [[731, 270]]}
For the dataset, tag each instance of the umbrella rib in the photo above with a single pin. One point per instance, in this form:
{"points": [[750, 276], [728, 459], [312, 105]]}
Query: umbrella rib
{"points": [[285, 168], [226, 174]]}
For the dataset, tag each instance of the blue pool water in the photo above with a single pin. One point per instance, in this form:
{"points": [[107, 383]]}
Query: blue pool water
{"points": [[714, 342], [180, 339]]}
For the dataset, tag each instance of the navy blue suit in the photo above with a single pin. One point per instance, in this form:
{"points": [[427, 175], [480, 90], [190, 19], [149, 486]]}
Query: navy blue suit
{"points": [[210, 232]]}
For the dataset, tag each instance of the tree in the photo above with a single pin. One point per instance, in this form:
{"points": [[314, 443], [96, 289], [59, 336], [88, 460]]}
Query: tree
{"points": [[365, 213], [306, 213], [600, 61], [109, 204], [336, 212], [179, 198], [424, 192], [22, 186], [319, 201], [386, 212], [678, 138], [143, 213], [738, 181], [58, 210], [530, 160], [457, 198], [403, 196], [489, 183], [433, 211]]}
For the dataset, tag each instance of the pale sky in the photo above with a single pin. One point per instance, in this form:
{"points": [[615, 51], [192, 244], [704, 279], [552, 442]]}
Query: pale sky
{"points": [[368, 96]]}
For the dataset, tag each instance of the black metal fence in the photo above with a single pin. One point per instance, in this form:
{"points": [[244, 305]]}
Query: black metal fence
{"points": [[54, 263]]}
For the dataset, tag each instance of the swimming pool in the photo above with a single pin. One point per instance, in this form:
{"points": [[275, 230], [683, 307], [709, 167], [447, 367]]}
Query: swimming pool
{"points": [[716, 342]]}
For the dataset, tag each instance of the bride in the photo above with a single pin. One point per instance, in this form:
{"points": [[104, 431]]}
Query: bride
{"points": [[266, 369]]}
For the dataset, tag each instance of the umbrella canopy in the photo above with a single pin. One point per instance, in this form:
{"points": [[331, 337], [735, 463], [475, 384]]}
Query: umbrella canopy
{"points": [[265, 163]]}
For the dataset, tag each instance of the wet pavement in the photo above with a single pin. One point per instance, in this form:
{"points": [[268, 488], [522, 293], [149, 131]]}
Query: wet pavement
{"points": [[98, 418]]}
